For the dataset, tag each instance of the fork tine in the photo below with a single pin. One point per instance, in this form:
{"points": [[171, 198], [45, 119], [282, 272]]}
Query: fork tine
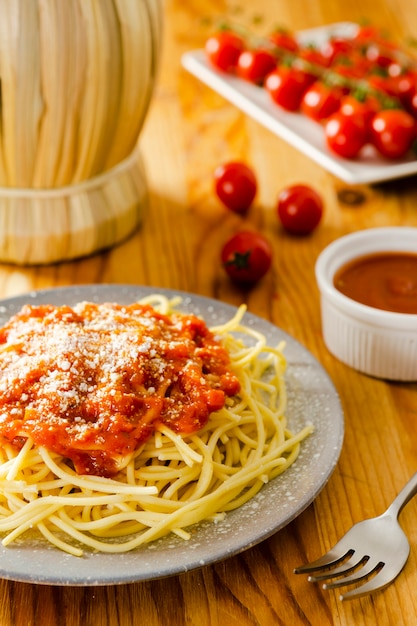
{"points": [[339, 553], [384, 577], [362, 574], [354, 563]]}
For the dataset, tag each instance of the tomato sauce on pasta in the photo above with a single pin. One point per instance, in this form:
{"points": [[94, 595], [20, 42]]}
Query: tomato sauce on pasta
{"points": [[93, 382]]}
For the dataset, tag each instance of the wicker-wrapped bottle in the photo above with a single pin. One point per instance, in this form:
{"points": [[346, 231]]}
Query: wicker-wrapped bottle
{"points": [[77, 77]]}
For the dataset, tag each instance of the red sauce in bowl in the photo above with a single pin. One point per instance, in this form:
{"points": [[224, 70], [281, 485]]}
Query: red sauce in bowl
{"points": [[382, 280]]}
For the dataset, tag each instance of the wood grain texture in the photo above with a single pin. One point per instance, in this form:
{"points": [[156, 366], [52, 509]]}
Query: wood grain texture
{"points": [[189, 130]]}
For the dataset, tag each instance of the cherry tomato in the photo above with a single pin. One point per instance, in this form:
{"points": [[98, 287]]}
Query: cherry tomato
{"points": [[345, 135], [284, 40], [313, 56], [405, 85], [361, 105], [412, 104], [395, 69], [255, 65], [368, 33], [287, 85], [223, 50], [376, 43], [336, 47], [235, 185], [393, 132], [383, 83], [246, 257], [355, 65], [320, 101], [300, 209], [377, 54]]}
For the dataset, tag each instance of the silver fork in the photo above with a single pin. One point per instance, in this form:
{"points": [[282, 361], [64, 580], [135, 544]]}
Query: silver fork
{"points": [[370, 555]]}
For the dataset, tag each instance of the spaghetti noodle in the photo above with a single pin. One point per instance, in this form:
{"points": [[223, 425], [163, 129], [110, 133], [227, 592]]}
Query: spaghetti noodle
{"points": [[175, 476]]}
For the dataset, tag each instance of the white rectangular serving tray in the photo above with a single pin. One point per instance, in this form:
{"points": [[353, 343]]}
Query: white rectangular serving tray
{"points": [[295, 128]]}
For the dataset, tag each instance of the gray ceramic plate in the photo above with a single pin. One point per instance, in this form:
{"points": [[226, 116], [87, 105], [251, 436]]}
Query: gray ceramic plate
{"points": [[311, 398]]}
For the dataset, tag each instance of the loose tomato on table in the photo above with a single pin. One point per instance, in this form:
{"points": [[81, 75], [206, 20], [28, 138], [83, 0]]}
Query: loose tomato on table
{"points": [[286, 85], [246, 257], [235, 185], [223, 50], [321, 100], [345, 135], [300, 209], [255, 65], [393, 132]]}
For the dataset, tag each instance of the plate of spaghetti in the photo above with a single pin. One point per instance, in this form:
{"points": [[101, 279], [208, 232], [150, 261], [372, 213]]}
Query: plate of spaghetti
{"points": [[146, 432]]}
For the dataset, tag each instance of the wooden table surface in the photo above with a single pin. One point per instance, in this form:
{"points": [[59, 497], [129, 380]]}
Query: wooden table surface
{"points": [[189, 130]]}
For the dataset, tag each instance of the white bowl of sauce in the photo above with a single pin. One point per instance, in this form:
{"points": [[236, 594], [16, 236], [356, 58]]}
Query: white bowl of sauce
{"points": [[368, 289]]}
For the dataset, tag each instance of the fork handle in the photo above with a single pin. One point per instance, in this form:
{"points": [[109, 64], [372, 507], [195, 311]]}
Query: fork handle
{"points": [[407, 492]]}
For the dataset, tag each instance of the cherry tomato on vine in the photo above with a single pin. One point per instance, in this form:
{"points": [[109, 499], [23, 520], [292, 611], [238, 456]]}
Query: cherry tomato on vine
{"points": [[369, 33], [405, 86], [393, 132], [255, 65], [246, 257], [223, 50], [284, 40], [345, 135], [311, 54], [321, 100], [377, 54], [396, 68], [361, 105], [336, 47], [412, 104], [383, 83], [235, 185], [354, 66], [300, 209], [287, 85]]}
